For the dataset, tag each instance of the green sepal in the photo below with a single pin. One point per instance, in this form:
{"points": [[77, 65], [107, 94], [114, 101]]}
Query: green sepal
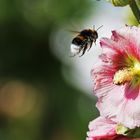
{"points": [[133, 133]]}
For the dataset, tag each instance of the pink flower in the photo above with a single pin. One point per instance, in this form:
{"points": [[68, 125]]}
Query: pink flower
{"points": [[117, 78], [104, 129]]}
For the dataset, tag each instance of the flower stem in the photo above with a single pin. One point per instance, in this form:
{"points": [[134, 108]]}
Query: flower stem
{"points": [[135, 10]]}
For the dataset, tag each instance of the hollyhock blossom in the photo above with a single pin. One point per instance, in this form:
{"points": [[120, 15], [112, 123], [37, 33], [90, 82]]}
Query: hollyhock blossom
{"points": [[104, 129], [117, 78]]}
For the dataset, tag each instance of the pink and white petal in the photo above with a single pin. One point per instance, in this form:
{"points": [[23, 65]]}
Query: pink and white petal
{"points": [[102, 79], [130, 111], [121, 48], [130, 33], [104, 129], [116, 36], [101, 127], [114, 52], [109, 44], [123, 41], [111, 103], [118, 47], [119, 108]]}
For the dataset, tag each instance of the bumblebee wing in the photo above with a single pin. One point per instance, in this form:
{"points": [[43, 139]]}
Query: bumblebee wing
{"points": [[75, 32], [90, 45], [84, 49]]}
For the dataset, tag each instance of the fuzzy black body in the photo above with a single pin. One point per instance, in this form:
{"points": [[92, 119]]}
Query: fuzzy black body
{"points": [[83, 41]]}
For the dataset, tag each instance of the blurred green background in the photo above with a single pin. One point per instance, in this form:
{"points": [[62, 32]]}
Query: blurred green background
{"points": [[39, 97], [36, 102]]}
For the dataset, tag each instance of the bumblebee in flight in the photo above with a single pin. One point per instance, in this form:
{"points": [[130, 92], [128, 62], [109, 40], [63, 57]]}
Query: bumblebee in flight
{"points": [[84, 41]]}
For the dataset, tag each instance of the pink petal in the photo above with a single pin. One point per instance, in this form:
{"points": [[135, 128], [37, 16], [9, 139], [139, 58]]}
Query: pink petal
{"points": [[102, 79], [101, 127], [130, 33], [111, 103], [130, 111], [121, 108]]}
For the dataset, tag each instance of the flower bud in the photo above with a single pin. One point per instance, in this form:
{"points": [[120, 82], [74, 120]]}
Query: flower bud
{"points": [[121, 129], [131, 133], [120, 2]]}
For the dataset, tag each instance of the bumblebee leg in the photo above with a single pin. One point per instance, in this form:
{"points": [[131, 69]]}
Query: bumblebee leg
{"points": [[90, 45], [84, 50], [94, 41]]}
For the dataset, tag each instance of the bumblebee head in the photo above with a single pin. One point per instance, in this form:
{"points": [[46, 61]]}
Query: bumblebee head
{"points": [[94, 34]]}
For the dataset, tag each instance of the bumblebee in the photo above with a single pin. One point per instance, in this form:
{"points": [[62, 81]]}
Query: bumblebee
{"points": [[84, 41]]}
